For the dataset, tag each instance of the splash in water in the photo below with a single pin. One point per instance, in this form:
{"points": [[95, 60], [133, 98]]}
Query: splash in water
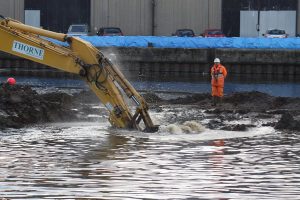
{"points": [[186, 127]]}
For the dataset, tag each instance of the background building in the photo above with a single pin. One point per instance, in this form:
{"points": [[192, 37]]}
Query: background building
{"points": [[251, 18], [159, 17]]}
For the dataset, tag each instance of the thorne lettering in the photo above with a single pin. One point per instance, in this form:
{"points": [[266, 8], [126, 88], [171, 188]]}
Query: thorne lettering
{"points": [[28, 50]]}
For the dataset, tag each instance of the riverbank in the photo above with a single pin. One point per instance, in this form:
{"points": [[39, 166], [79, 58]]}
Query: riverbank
{"points": [[282, 113], [22, 106]]}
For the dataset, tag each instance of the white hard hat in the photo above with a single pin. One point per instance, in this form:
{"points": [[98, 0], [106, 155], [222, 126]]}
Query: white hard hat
{"points": [[217, 60]]}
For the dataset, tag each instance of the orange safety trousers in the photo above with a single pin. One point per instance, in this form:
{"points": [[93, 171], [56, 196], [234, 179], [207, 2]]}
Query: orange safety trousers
{"points": [[217, 91], [218, 74]]}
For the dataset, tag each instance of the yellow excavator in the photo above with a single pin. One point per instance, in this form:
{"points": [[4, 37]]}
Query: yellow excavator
{"points": [[80, 57]]}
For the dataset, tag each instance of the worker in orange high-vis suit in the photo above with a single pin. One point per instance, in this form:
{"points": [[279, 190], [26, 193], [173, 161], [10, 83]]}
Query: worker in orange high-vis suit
{"points": [[218, 74]]}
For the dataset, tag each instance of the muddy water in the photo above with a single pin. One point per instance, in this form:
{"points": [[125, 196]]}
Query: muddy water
{"points": [[88, 160], [184, 160]]}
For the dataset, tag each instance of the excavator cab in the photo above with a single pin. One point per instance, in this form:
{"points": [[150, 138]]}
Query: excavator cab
{"points": [[80, 57]]}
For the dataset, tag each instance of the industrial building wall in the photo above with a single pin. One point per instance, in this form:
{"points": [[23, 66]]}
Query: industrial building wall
{"points": [[195, 14], [13, 9], [298, 18], [285, 20], [215, 13], [135, 17], [132, 16]]}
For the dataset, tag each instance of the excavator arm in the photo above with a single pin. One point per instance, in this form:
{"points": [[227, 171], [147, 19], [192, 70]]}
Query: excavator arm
{"points": [[80, 57]]}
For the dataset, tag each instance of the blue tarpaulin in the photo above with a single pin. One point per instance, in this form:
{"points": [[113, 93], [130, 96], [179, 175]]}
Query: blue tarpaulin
{"points": [[193, 42]]}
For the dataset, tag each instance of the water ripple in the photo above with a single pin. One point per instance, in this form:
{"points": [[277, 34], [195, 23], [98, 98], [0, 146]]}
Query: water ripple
{"points": [[83, 161]]}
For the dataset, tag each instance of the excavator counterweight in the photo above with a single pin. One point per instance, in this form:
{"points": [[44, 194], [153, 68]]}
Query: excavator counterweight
{"points": [[80, 57]]}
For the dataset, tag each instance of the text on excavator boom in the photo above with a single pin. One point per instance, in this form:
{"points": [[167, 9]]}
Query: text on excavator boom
{"points": [[104, 78]]}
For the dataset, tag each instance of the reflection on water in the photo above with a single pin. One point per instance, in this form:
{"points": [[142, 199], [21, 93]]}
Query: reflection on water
{"points": [[83, 161], [288, 86], [89, 160]]}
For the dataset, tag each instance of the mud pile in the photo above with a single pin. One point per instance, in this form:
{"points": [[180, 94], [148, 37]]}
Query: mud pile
{"points": [[21, 106], [246, 105], [243, 102]]}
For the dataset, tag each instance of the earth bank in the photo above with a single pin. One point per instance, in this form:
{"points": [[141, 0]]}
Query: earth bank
{"points": [[22, 106]]}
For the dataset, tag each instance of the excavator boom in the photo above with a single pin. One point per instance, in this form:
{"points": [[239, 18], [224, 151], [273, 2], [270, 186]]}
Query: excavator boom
{"points": [[80, 57]]}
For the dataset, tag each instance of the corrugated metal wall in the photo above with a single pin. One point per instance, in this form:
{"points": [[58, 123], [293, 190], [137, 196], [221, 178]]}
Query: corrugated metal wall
{"points": [[195, 14], [215, 13], [134, 17], [298, 18], [13, 9]]}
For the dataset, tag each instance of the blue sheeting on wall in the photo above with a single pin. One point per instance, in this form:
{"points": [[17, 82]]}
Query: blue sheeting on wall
{"points": [[193, 42]]}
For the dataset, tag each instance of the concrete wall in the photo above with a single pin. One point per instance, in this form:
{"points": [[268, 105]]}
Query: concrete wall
{"points": [[256, 62], [13, 9], [134, 61]]}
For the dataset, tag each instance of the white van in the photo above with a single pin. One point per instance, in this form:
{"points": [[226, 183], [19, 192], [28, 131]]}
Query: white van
{"points": [[78, 30]]}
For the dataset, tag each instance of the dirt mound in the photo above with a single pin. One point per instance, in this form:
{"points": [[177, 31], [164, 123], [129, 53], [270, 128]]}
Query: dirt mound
{"points": [[288, 122], [247, 104], [248, 97], [20, 106], [152, 98], [191, 99], [243, 101]]}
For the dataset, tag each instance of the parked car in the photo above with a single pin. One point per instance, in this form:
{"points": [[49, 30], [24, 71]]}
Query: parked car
{"points": [[213, 33], [78, 30], [184, 33], [275, 33], [110, 31]]}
